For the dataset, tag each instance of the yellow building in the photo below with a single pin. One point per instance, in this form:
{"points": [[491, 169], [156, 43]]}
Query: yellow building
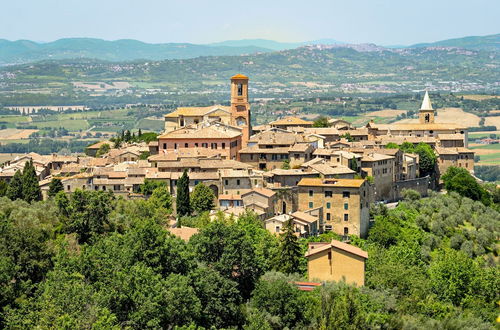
{"points": [[345, 203], [238, 114], [336, 261]]}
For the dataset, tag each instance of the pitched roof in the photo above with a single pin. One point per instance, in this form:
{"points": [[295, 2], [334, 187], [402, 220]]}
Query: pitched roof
{"points": [[426, 103], [97, 145], [196, 111], [304, 217], [341, 246], [262, 191], [291, 121], [201, 131], [331, 170], [184, 233], [319, 182], [239, 76]]}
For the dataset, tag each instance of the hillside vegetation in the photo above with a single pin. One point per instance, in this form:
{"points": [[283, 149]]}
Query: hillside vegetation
{"points": [[96, 261]]}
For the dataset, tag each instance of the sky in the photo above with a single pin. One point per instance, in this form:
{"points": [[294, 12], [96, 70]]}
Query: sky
{"points": [[384, 22]]}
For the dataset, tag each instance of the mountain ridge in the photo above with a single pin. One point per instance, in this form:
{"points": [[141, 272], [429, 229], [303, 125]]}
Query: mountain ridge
{"points": [[27, 51]]}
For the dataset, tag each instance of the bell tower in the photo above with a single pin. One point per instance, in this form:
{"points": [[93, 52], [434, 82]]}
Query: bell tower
{"points": [[240, 108], [426, 114]]}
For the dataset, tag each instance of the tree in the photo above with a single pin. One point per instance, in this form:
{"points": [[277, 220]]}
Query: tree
{"points": [[461, 181], [87, 213], [55, 186], [427, 159], [144, 155], [31, 189], [149, 186], [280, 299], [202, 198], [4, 186], [451, 275], [15, 190], [227, 249], [286, 164], [103, 149], [321, 122], [347, 136], [289, 252], [182, 201], [392, 145], [161, 198]]}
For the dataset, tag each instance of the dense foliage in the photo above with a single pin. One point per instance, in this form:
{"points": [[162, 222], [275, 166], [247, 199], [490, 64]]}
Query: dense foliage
{"points": [[94, 261]]}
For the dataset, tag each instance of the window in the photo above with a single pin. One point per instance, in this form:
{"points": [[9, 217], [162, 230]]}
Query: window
{"points": [[69, 187], [346, 217], [328, 205], [238, 182], [311, 205], [328, 217], [226, 182], [346, 194], [255, 182], [328, 194], [346, 231], [116, 187], [186, 145], [328, 228], [251, 156], [310, 193], [240, 89], [196, 145], [346, 206], [277, 229], [204, 145], [223, 145], [103, 187], [175, 146], [164, 146], [196, 121], [297, 156], [196, 182]]}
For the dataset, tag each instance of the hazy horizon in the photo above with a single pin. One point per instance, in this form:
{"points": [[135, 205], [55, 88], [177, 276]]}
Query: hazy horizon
{"points": [[383, 22]]}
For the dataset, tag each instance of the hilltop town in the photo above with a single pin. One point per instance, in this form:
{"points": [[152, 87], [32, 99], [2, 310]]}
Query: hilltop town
{"points": [[323, 178]]}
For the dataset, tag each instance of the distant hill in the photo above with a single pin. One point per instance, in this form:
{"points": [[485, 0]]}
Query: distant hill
{"points": [[274, 45], [490, 42], [25, 51]]}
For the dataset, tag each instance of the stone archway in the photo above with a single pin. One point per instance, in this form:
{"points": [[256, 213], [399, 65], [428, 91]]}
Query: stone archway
{"points": [[215, 190]]}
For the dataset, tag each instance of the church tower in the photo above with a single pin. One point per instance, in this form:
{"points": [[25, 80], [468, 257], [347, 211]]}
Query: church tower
{"points": [[240, 108], [426, 114]]}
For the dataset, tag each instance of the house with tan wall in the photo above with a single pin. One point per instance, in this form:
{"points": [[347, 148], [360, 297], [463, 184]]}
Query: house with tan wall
{"points": [[336, 261]]}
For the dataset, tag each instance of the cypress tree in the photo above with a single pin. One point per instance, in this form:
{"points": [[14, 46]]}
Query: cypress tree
{"points": [[4, 186], [15, 190], [183, 203], [289, 252], [55, 186], [31, 189]]}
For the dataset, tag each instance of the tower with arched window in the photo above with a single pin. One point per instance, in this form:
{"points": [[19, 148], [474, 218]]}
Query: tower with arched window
{"points": [[240, 108]]}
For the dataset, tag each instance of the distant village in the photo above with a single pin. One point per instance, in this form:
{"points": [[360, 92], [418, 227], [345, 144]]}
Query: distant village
{"points": [[319, 178]]}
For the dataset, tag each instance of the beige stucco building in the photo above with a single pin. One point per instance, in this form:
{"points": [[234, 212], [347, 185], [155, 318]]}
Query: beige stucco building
{"points": [[345, 203], [336, 261]]}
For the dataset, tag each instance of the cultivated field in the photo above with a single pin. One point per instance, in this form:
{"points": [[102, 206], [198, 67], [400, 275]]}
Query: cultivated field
{"points": [[387, 113], [479, 97], [451, 115], [492, 121], [16, 134]]}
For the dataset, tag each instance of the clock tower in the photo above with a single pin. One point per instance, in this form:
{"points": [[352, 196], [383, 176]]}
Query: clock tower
{"points": [[240, 108]]}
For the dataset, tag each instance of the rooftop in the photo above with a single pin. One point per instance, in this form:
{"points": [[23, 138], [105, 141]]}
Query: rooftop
{"points": [[319, 182]]}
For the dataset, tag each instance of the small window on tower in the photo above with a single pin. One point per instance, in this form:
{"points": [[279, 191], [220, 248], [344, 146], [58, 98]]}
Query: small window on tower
{"points": [[240, 89]]}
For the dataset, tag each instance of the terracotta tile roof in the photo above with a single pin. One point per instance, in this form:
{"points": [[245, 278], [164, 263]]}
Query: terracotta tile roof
{"points": [[184, 233], [99, 144], [300, 147], [341, 246], [304, 217], [196, 111], [331, 170], [262, 191], [290, 121], [319, 182], [201, 131], [374, 157], [239, 76]]}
